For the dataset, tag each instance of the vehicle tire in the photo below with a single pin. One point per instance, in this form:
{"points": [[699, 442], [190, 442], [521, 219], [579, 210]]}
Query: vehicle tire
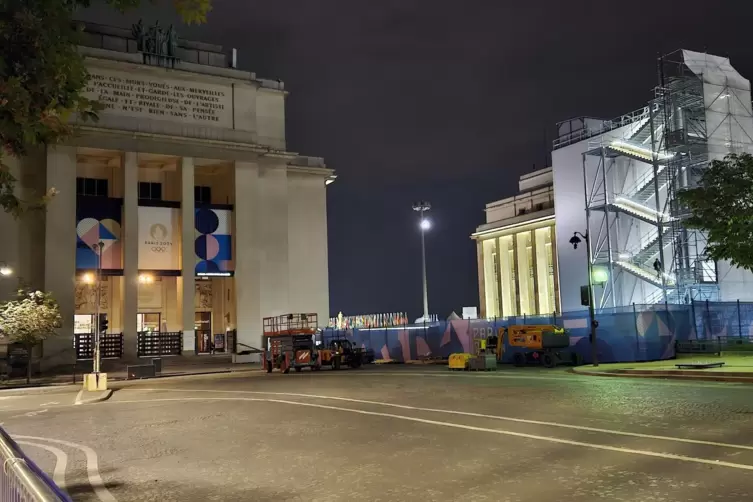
{"points": [[355, 363], [519, 359], [336, 363], [298, 369], [548, 360]]}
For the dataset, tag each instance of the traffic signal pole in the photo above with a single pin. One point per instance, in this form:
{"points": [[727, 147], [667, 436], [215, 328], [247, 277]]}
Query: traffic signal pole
{"points": [[97, 381], [98, 325]]}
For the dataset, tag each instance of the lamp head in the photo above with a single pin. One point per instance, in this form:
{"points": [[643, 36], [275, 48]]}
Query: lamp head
{"points": [[425, 224], [575, 240]]}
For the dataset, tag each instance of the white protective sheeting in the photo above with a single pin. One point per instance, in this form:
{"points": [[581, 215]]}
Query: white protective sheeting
{"points": [[729, 127], [729, 118]]}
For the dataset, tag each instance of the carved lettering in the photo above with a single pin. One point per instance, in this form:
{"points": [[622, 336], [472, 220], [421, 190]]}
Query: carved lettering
{"points": [[163, 100]]}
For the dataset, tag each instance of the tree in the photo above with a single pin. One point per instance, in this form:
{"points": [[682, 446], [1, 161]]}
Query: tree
{"points": [[722, 207], [42, 77], [29, 320]]}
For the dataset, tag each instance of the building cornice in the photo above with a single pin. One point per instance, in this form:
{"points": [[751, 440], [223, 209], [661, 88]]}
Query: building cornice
{"points": [[187, 147], [510, 225]]}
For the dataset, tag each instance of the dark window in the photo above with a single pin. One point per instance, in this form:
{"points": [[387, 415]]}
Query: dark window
{"points": [[202, 195], [150, 191], [93, 187]]}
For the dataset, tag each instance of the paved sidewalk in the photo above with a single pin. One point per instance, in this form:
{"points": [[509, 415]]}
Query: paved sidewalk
{"points": [[116, 370]]}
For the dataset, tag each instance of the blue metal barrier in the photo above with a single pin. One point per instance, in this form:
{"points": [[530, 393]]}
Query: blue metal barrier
{"points": [[625, 334]]}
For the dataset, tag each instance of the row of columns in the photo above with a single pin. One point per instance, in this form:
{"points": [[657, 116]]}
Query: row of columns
{"points": [[263, 221], [130, 227], [60, 248]]}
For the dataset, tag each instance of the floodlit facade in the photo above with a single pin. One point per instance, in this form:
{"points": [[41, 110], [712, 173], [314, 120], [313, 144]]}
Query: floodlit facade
{"points": [[618, 181], [207, 223], [517, 252]]}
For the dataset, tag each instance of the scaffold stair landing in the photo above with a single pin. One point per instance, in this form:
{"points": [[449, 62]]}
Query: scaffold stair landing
{"points": [[642, 273], [633, 152], [633, 209], [658, 297], [651, 249], [645, 189]]}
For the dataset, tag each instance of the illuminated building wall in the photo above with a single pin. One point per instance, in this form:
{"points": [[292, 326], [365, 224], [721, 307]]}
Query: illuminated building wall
{"points": [[517, 252]]}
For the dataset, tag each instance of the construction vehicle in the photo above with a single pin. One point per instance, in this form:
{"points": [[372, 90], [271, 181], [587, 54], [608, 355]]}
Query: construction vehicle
{"points": [[341, 352], [483, 358], [544, 344], [288, 342]]}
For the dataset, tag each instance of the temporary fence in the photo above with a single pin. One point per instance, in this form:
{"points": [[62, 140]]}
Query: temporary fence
{"points": [[21, 480], [625, 334]]}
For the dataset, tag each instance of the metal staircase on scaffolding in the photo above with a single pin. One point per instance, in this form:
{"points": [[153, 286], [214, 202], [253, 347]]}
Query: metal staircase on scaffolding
{"points": [[640, 261], [639, 202]]}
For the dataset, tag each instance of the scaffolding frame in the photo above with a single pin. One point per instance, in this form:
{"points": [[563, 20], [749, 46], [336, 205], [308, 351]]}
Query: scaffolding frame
{"points": [[675, 144]]}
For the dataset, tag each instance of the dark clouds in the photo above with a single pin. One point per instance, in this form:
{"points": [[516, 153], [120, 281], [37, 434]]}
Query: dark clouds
{"points": [[449, 102]]}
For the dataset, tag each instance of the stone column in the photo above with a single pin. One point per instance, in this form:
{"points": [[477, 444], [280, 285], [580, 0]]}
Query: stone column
{"points": [[273, 241], [247, 252], [60, 250], [130, 280], [188, 255]]}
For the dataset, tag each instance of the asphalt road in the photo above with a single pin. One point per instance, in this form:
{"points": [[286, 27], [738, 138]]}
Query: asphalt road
{"points": [[387, 433]]}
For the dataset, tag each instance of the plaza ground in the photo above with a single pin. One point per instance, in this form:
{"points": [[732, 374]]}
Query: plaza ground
{"points": [[394, 433], [733, 364]]}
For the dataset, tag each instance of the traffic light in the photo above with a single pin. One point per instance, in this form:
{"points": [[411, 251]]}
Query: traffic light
{"points": [[103, 324], [585, 296]]}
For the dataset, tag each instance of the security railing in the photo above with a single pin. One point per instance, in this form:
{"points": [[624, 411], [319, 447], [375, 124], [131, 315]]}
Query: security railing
{"points": [[641, 115], [111, 345], [21, 480], [159, 344]]}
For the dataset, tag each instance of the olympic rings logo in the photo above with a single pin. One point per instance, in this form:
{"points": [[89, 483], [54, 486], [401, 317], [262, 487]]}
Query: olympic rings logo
{"points": [[159, 249]]}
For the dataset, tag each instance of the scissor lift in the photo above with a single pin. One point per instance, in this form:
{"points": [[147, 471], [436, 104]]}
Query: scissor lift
{"points": [[288, 342]]}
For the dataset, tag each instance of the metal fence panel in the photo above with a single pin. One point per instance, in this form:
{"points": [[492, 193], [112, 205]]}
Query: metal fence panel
{"points": [[156, 344], [111, 345]]}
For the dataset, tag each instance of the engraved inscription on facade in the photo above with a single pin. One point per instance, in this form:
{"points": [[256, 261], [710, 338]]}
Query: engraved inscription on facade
{"points": [[161, 99]]}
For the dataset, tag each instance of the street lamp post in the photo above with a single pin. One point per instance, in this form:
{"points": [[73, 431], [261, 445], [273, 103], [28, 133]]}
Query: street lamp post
{"points": [[421, 207], [97, 248], [575, 240]]}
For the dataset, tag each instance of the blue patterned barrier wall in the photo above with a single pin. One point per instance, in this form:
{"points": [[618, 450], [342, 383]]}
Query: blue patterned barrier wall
{"points": [[634, 333]]}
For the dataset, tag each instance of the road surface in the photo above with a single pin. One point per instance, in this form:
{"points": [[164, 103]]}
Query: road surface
{"points": [[387, 433]]}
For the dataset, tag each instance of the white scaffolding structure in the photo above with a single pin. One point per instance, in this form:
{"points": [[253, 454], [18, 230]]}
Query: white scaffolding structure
{"points": [[701, 112]]}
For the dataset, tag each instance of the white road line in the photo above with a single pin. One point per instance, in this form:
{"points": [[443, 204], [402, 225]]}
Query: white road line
{"points": [[77, 401], [61, 461], [30, 414], [92, 466], [470, 414], [668, 456]]}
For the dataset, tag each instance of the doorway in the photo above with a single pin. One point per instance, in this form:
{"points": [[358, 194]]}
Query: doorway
{"points": [[148, 323], [203, 329]]}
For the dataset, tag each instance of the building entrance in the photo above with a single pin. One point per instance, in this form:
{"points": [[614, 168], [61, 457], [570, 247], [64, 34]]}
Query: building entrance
{"points": [[203, 329], [148, 322]]}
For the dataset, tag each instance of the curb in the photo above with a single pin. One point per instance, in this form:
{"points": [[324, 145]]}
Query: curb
{"points": [[661, 376], [99, 397], [59, 387]]}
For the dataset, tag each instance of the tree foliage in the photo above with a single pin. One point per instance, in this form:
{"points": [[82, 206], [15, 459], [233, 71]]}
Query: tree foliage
{"points": [[29, 320], [722, 207], [42, 76]]}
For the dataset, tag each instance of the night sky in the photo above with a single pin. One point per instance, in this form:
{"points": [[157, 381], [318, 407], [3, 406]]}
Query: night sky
{"points": [[448, 102]]}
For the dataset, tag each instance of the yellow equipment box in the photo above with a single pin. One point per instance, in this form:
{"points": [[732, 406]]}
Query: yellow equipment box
{"points": [[459, 361]]}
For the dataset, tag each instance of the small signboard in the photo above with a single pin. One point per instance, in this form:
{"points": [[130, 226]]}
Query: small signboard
{"points": [[470, 312]]}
